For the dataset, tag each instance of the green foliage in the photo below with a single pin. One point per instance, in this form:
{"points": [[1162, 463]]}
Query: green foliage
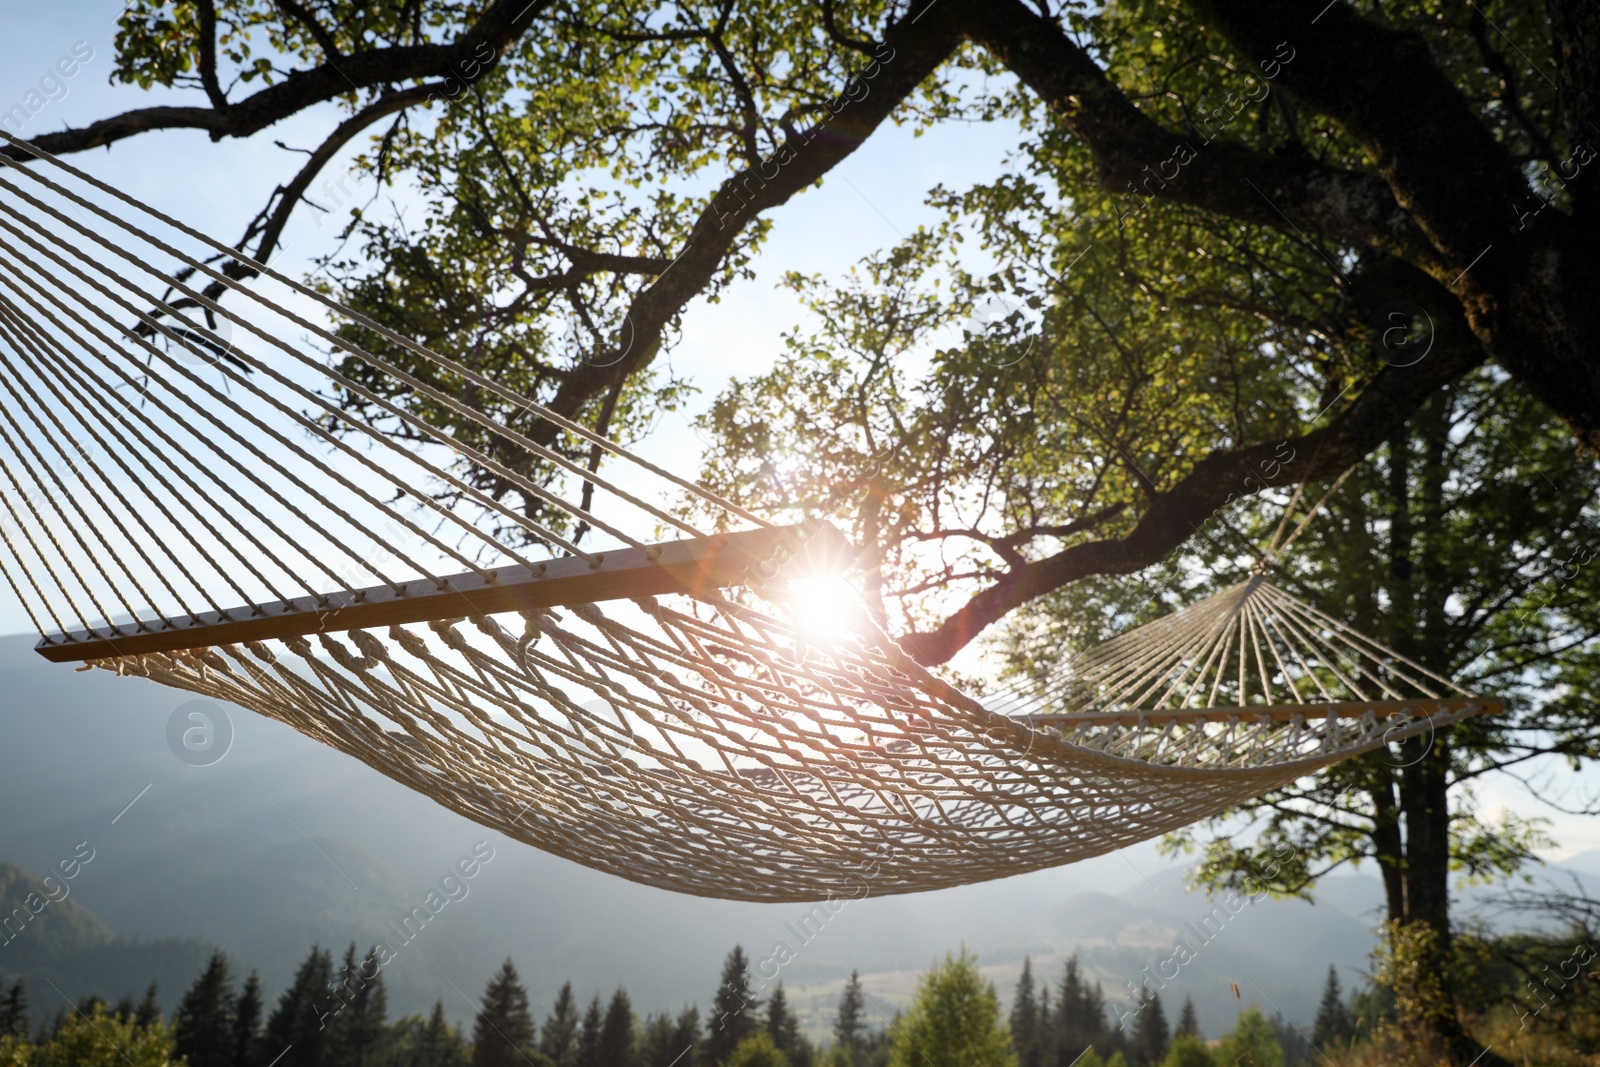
{"points": [[953, 1022], [1188, 1050], [94, 1039], [757, 1050], [1253, 1042], [417, 1042]]}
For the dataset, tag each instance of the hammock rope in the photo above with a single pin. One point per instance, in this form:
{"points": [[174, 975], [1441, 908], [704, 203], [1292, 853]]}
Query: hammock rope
{"points": [[237, 503]]}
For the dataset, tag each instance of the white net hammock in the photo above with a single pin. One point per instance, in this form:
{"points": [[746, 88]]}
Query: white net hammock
{"points": [[231, 502]]}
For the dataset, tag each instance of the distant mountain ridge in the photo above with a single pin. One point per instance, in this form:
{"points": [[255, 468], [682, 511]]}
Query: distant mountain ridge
{"points": [[63, 952]]}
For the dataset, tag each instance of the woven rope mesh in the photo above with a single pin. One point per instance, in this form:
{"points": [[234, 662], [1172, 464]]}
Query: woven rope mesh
{"points": [[169, 463]]}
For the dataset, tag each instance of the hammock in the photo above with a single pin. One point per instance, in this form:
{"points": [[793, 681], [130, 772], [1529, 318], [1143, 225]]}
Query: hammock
{"points": [[232, 502]]}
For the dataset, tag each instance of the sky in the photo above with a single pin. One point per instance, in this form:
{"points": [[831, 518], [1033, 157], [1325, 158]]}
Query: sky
{"points": [[867, 203]]}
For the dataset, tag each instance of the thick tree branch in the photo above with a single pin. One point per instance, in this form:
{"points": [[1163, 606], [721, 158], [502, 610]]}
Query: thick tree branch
{"points": [[1179, 512], [208, 55], [1382, 85], [911, 52], [319, 33], [1348, 206], [502, 23]]}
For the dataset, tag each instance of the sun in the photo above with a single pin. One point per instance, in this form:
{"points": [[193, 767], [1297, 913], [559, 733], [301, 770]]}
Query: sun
{"points": [[823, 603]]}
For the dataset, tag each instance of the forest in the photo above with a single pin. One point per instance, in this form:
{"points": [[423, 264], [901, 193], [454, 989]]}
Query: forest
{"points": [[335, 1014]]}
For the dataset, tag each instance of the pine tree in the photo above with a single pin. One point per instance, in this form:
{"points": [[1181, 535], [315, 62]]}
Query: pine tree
{"points": [[202, 1027], [1080, 1016], [14, 1011], [1333, 1024], [1025, 1019], [296, 1029], [733, 1009], [503, 1026], [687, 1037], [784, 1029], [850, 1027], [558, 1039], [616, 1032], [1107, 1040], [439, 1044], [1046, 1028], [148, 1013], [362, 1008], [589, 1035], [656, 1047], [1148, 1044], [247, 1024], [1188, 1021]]}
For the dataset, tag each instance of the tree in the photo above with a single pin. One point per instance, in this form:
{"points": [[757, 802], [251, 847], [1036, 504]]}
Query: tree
{"points": [[1353, 272], [247, 1024], [203, 1025], [361, 1010], [784, 1029], [758, 1050], [148, 1013], [1025, 1028], [1333, 1025], [1296, 167], [1188, 1050], [558, 1039], [954, 1021], [1453, 548], [1188, 1021], [589, 1034], [297, 1025], [1080, 1016], [687, 1038], [1148, 1042], [657, 1041], [439, 1044], [733, 1009], [14, 1011], [849, 1025], [503, 1027], [1252, 1041], [99, 1039], [617, 1045]]}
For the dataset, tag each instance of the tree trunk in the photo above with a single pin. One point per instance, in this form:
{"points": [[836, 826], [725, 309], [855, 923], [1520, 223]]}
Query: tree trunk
{"points": [[1417, 888]]}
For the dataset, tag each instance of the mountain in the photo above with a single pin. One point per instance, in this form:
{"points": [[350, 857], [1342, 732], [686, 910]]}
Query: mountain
{"points": [[283, 842], [62, 952]]}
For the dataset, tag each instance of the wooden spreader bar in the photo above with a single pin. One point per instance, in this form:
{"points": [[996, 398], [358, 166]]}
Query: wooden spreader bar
{"points": [[1423, 707], [697, 565]]}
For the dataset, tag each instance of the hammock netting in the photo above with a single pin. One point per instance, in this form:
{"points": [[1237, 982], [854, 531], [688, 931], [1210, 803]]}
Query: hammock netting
{"points": [[232, 502]]}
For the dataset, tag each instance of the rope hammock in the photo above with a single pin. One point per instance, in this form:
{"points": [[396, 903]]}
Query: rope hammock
{"points": [[232, 502]]}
